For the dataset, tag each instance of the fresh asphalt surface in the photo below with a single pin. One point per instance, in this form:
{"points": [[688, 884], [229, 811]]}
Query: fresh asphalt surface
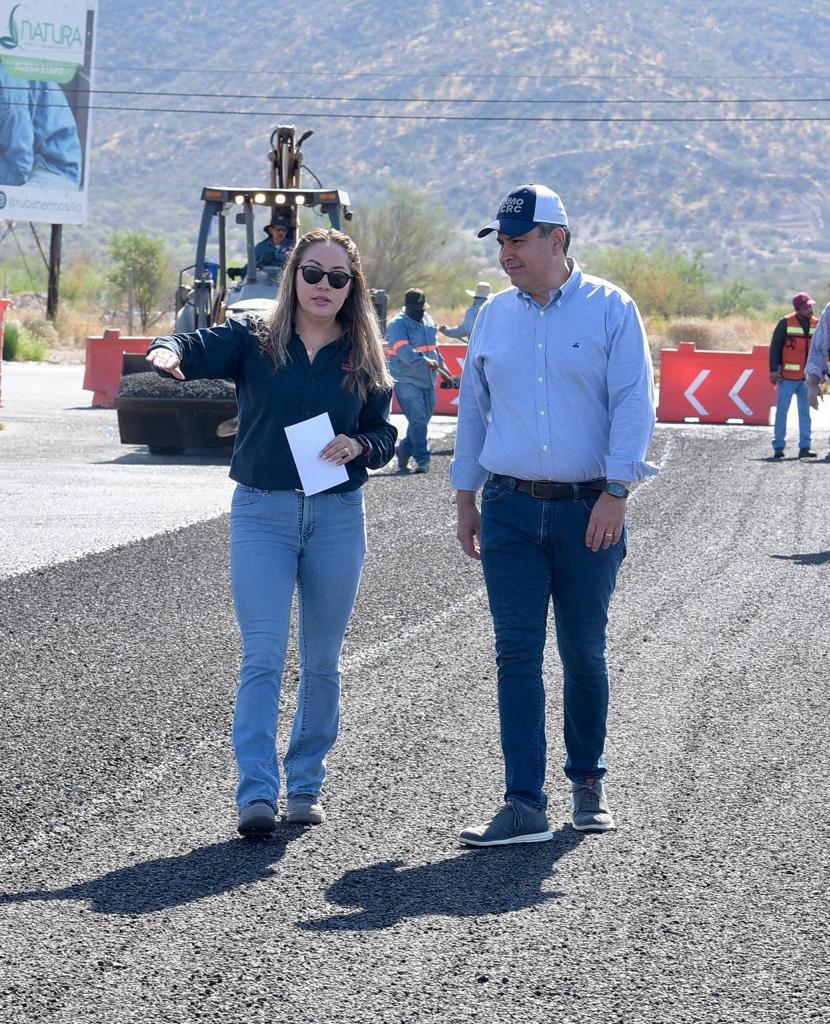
{"points": [[127, 896]]}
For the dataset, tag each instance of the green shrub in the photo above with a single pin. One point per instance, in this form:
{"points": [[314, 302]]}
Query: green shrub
{"points": [[21, 346], [663, 284]]}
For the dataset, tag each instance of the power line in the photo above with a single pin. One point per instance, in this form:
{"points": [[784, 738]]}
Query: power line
{"points": [[506, 118], [588, 76], [430, 99]]}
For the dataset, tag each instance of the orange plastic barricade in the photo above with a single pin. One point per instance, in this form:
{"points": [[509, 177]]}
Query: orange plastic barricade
{"points": [[103, 364], [715, 387], [446, 399], [4, 305]]}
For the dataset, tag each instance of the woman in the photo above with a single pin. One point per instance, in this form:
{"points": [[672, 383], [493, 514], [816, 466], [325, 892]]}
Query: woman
{"points": [[320, 352]]}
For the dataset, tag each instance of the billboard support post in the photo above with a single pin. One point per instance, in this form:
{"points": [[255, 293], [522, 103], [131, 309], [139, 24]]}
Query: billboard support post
{"points": [[54, 271]]}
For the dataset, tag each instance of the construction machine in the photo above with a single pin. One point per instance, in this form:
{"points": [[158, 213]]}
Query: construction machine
{"points": [[168, 415]]}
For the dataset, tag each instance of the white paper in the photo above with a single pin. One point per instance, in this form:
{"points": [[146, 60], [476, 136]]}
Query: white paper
{"points": [[307, 440]]}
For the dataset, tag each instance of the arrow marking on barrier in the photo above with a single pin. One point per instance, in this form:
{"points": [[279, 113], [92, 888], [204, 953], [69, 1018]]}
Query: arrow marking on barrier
{"points": [[734, 394], [689, 393]]}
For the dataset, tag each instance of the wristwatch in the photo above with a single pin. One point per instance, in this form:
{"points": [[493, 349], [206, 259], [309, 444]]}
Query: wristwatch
{"points": [[365, 447], [615, 489]]}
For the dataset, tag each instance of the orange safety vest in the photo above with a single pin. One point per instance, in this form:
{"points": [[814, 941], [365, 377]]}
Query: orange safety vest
{"points": [[796, 347]]}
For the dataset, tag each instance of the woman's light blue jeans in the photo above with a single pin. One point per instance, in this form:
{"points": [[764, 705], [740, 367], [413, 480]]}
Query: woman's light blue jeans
{"points": [[279, 540]]}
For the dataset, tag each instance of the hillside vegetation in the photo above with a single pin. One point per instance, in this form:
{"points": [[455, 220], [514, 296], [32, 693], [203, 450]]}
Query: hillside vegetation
{"points": [[751, 194]]}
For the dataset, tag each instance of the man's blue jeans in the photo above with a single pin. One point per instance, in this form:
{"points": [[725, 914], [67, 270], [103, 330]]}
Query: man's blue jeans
{"points": [[279, 540], [533, 550], [418, 405], [786, 390]]}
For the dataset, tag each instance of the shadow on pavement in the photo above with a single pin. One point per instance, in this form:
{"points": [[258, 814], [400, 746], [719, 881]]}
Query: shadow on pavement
{"points": [[209, 457], [497, 880], [789, 458], [172, 881], [815, 558]]}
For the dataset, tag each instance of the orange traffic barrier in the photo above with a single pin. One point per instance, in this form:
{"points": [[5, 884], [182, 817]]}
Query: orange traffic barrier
{"points": [[715, 387], [4, 305], [103, 364], [446, 399]]}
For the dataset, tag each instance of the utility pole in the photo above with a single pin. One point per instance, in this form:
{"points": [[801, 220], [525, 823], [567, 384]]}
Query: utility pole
{"points": [[130, 301], [54, 272]]}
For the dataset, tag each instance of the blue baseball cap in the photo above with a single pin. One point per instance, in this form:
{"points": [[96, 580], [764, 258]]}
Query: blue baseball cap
{"points": [[525, 207]]}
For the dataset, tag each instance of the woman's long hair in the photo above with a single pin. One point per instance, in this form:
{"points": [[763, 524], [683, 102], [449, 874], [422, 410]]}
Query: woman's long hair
{"points": [[357, 317]]}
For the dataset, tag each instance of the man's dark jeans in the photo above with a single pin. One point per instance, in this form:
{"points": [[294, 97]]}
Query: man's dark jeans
{"points": [[533, 550]]}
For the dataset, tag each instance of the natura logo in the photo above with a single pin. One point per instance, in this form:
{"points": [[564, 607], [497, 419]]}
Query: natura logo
{"points": [[12, 40], [2, 200], [29, 32]]}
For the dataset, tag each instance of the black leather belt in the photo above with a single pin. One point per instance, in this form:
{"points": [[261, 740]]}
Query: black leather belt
{"points": [[552, 488]]}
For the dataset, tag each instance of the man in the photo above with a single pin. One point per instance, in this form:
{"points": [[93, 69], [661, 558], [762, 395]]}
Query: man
{"points": [[788, 352], [465, 328], [274, 250], [414, 362], [271, 252], [556, 413], [817, 360], [39, 143]]}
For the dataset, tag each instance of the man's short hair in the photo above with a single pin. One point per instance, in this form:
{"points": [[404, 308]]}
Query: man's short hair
{"points": [[547, 229]]}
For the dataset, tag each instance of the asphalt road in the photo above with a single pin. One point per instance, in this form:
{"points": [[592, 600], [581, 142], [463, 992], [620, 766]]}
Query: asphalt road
{"points": [[68, 487], [127, 897]]}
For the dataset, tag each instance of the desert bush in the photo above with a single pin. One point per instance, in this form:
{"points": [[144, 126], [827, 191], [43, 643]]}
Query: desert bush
{"points": [[21, 346], [734, 333], [83, 284], [662, 283], [41, 330], [74, 326], [408, 241]]}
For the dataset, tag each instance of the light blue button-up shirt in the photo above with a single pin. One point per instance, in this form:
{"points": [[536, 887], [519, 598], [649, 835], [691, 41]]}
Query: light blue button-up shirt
{"points": [[820, 347], [561, 392]]}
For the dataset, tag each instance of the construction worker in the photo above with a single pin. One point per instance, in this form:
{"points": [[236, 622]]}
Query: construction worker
{"points": [[274, 250], [463, 331], [414, 361], [788, 353]]}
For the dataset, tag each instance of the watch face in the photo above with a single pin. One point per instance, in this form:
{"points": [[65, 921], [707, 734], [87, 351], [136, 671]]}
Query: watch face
{"points": [[616, 490]]}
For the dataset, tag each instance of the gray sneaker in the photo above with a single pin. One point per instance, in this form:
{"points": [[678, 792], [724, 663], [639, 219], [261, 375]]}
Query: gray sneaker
{"points": [[305, 809], [515, 822], [421, 467], [403, 462], [257, 819], [590, 808]]}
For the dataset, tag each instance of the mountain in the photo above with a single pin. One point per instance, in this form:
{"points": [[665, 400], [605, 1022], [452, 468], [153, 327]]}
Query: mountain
{"points": [[751, 193]]}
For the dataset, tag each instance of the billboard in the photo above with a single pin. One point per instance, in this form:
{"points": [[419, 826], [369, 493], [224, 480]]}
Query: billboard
{"points": [[46, 62]]}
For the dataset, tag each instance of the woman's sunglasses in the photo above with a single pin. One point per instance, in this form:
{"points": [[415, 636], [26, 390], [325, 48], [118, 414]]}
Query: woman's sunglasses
{"points": [[314, 275]]}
